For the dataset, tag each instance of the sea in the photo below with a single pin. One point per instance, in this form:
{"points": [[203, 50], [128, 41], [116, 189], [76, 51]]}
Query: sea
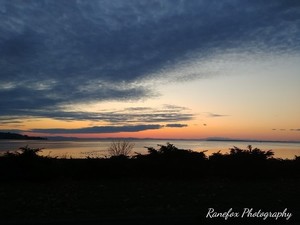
{"points": [[82, 148]]}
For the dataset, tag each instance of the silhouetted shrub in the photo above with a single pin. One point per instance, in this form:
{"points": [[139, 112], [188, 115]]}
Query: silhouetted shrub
{"points": [[169, 151], [249, 162], [170, 161], [250, 153], [121, 149], [26, 164], [24, 152], [165, 161], [217, 156]]}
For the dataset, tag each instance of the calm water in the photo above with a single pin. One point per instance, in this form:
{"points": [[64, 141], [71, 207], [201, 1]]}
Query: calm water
{"points": [[85, 148]]}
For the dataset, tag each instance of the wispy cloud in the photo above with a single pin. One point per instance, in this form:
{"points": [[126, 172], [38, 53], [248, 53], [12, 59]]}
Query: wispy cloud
{"points": [[15, 122], [282, 129], [125, 116], [215, 115], [176, 125]]}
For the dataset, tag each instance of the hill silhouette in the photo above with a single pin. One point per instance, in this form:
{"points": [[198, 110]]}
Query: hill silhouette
{"points": [[15, 136]]}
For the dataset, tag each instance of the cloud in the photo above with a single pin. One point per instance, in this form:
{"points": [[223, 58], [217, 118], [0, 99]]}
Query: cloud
{"points": [[54, 53], [12, 130], [32, 102], [99, 129], [125, 116], [176, 125], [215, 115], [15, 122], [292, 129]]}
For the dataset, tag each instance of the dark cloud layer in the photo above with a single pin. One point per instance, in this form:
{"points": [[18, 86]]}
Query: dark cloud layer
{"points": [[176, 125], [99, 129], [62, 52]]}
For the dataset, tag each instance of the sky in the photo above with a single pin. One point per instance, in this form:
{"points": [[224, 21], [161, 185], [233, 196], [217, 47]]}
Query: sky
{"points": [[186, 69]]}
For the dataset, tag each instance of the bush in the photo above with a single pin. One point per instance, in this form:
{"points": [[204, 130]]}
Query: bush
{"points": [[250, 153], [120, 149], [25, 152], [169, 151]]}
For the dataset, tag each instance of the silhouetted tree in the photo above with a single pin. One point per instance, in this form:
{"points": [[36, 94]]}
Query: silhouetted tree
{"points": [[120, 148], [29, 152]]}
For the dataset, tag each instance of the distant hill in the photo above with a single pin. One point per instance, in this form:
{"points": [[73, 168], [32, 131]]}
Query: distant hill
{"points": [[14, 136], [60, 138]]}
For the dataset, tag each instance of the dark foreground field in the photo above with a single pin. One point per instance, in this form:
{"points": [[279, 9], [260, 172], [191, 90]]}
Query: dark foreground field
{"points": [[164, 187], [144, 201]]}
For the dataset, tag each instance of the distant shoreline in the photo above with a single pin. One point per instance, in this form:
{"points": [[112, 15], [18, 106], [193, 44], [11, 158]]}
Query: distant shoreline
{"points": [[14, 136], [169, 139]]}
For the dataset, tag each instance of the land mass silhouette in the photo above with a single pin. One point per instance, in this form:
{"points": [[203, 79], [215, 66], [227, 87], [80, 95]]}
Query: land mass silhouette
{"points": [[15, 136]]}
